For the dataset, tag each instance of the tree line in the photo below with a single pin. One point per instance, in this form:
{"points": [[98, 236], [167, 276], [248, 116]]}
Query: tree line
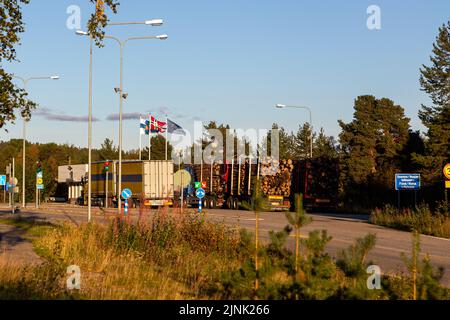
{"points": [[52, 155]]}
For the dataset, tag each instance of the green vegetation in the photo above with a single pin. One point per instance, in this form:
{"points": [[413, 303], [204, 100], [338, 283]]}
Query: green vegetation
{"points": [[298, 220], [420, 219], [257, 204], [434, 80], [185, 257], [372, 146]]}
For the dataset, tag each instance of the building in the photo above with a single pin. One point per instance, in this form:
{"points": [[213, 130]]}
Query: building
{"points": [[72, 176]]}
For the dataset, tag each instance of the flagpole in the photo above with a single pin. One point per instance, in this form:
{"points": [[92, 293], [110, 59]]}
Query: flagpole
{"points": [[167, 129], [150, 145], [140, 139]]}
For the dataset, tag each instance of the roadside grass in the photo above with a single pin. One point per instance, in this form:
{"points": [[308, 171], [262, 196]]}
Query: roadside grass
{"points": [[186, 257], [420, 219], [167, 258]]}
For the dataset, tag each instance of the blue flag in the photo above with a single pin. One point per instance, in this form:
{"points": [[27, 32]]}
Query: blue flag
{"points": [[172, 127]]}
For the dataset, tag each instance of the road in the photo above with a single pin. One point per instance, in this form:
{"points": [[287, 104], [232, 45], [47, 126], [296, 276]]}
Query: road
{"points": [[344, 229]]}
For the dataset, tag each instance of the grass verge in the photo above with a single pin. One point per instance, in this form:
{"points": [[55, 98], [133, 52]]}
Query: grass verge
{"points": [[420, 219], [186, 257]]}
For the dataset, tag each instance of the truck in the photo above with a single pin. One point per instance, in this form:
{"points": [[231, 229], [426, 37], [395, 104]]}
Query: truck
{"points": [[151, 182], [229, 185]]}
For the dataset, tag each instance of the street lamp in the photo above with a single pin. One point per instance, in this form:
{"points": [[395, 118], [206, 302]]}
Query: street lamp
{"points": [[25, 86], [123, 96], [154, 22], [283, 106], [91, 44]]}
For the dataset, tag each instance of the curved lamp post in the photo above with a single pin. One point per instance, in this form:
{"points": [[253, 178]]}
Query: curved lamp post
{"points": [[283, 106], [153, 22], [25, 87]]}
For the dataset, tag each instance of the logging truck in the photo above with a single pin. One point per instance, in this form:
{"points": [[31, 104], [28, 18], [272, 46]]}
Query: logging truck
{"points": [[229, 185]]}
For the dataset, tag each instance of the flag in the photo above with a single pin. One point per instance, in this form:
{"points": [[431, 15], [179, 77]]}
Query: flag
{"points": [[157, 126], [172, 127], [147, 127], [143, 126]]}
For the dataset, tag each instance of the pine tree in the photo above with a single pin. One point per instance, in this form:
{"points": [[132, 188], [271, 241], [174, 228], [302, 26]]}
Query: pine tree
{"points": [[298, 220], [257, 204], [301, 142], [158, 151], [108, 151], [324, 146], [286, 143], [371, 145], [435, 81]]}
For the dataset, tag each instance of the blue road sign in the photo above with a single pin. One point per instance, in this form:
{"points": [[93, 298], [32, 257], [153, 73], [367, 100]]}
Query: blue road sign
{"points": [[200, 193], [126, 193], [407, 181], [40, 187], [2, 180], [7, 186]]}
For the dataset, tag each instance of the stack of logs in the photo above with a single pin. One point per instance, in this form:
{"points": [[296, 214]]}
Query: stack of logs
{"points": [[276, 177], [218, 185]]}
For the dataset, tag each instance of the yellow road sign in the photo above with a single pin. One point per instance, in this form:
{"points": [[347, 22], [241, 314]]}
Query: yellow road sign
{"points": [[447, 184], [447, 171], [40, 181]]}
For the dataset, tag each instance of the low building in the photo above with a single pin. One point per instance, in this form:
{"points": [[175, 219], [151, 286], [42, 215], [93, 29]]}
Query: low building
{"points": [[72, 176]]}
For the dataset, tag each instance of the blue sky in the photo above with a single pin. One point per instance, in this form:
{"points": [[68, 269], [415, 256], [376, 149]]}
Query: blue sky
{"points": [[229, 61]]}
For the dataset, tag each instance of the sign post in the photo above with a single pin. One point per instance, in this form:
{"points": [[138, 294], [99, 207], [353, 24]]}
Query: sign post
{"points": [[200, 193], [125, 207], [407, 181], [447, 182], [126, 194], [106, 169], [39, 182], [13, 183], [3, 185]]}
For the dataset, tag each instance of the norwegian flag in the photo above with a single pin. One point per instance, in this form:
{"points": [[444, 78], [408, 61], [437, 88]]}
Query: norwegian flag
{"points": [[157, 126]]}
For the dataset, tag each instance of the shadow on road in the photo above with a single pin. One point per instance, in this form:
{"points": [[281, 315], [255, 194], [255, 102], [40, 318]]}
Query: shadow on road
{"points": [[343, 216]]}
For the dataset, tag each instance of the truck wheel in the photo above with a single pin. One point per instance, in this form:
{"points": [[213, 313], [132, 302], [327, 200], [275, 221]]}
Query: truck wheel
{"points": [[235, 204], [229, 203], [213, 203]]}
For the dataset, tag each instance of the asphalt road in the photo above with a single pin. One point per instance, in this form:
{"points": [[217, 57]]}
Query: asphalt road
{"points": [[344, 229]]}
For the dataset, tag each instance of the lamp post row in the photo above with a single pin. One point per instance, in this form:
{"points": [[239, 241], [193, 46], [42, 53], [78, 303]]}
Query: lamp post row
{"points": [[24, 138], [122, 96]]}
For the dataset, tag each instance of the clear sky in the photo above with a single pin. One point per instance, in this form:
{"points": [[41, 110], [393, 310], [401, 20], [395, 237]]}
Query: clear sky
{"points": [[226, 60]]}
